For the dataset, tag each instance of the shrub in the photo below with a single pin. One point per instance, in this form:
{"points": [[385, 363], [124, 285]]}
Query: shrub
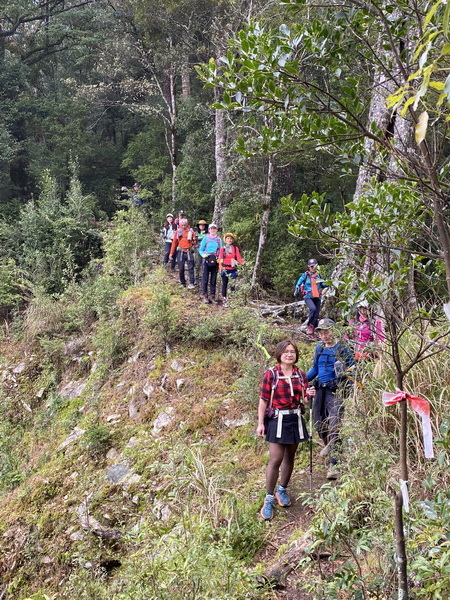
{"points": [[97, 439]]}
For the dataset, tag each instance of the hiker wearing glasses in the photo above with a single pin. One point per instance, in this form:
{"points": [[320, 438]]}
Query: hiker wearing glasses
{"points": [[280, 420], [332, 358], [310, 286]]}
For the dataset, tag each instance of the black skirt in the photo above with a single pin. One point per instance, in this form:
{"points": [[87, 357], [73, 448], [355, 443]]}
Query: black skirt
{"points": [[290, 433]]}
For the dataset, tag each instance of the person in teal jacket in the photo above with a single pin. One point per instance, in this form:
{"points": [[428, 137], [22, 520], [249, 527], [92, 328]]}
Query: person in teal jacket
{"points": [[310, 285], [209, 251], [202, 231]]}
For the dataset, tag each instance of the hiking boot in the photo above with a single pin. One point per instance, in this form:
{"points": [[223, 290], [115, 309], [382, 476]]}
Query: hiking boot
{"points": [[191, 286], [205, 300], [282, 497], [325, 451], [213, 301], [267, 509], [225, 303], [332, 473], [310, 332]]}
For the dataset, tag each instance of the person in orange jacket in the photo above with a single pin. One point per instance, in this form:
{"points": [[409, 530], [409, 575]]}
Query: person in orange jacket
{"points": [[183, 244], [229, 258]]}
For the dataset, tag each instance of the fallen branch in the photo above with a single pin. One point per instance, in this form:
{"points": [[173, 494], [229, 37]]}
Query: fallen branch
{"points": [[277, 310], [278, 573]]}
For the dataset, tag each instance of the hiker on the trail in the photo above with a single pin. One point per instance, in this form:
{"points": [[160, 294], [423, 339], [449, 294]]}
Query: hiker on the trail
{"points": [[332, 358], [181, 215], [366, 332], [135, 196], [280, 410], [168, 232], [310, 285], [209, 251], [202, 230], [229, 258], [183, 245]]}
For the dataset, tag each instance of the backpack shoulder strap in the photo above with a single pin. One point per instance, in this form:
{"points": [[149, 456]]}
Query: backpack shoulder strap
{"points": [[275, 378]]}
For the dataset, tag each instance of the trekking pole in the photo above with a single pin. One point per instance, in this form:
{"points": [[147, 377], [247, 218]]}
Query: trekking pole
{"points": [[310, 442], [310, 435]]}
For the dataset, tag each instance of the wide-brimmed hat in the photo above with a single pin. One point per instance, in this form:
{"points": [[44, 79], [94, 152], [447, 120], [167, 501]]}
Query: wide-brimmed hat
{"points": [[202, 222], [325, 324], [231, 235]]}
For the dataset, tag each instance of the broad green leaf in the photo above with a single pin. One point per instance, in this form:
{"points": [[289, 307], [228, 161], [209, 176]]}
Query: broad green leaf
{"points": [[437, 85], [446, 19], [407, 105], [431, 12]]}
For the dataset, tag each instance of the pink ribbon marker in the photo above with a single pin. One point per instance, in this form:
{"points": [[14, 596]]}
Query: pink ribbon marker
{"points": [[422, 408]]}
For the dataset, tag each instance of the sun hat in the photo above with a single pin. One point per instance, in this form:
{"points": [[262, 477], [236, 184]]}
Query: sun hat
{"points": [[231, 235], [202, 222]]}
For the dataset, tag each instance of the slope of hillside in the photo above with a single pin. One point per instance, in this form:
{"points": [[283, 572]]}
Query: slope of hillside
{"points": [[130, 467], [130, 464]]}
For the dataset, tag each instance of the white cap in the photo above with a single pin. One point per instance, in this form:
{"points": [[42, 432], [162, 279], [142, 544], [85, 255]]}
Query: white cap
{"points": [[212, 225]]}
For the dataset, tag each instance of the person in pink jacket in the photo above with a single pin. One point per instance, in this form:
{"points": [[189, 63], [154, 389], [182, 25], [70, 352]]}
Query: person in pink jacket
{"points": [[366, 332]]}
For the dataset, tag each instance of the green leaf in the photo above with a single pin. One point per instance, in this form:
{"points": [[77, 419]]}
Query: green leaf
{"points": [[437, 85], [446, 19], [431, 12]]}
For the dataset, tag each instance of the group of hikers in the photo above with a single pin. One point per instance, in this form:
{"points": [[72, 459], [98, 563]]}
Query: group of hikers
{"points": [[203, 253], [286, 390]]}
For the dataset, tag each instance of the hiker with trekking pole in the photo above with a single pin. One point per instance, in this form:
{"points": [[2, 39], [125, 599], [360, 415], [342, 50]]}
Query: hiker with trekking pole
{"points": [[332, 359], [310, 286], [280, 410]]}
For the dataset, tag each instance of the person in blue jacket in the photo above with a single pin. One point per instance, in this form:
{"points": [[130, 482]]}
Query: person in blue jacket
{"points": [[332, 358], [209, 251], [310, 285]]}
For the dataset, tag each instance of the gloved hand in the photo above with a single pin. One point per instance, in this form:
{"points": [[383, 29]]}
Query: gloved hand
{"points": [[296, 292]]}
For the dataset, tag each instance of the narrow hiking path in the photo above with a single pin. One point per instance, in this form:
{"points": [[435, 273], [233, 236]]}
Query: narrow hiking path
{"points": [[289, 524]]}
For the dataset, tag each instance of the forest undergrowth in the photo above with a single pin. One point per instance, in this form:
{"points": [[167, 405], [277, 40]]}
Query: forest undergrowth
{"points": [[131, 469]]}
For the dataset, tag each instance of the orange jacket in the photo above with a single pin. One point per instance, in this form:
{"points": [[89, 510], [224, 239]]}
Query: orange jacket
{"points": [[183, 242]]}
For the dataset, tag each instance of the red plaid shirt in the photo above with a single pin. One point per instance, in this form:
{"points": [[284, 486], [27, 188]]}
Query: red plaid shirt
{"points": [[284, 396]]}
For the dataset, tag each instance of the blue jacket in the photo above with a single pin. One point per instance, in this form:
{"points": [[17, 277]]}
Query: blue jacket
{"points": [[210, 245], [324, 359], [305, 281]]}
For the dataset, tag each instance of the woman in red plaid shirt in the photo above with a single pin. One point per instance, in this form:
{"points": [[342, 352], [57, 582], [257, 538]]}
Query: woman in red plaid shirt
{"points": [[280, 419]]}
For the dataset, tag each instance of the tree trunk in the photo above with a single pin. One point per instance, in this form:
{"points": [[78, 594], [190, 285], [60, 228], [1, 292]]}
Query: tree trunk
{"points": [[221, 165], [402, 559], [185, 79], [264, 222], [173, 131]]}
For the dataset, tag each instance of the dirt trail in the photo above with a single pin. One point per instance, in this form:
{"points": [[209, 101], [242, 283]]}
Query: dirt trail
{"points": [[298, 518]]}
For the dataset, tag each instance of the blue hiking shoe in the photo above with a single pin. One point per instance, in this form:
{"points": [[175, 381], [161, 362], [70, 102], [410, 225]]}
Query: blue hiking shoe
{"points": [[267, 509], [282, 497]]}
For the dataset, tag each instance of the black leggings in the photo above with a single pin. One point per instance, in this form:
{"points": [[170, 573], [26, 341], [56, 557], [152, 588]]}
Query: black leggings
{"points": [[209, 273]]}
